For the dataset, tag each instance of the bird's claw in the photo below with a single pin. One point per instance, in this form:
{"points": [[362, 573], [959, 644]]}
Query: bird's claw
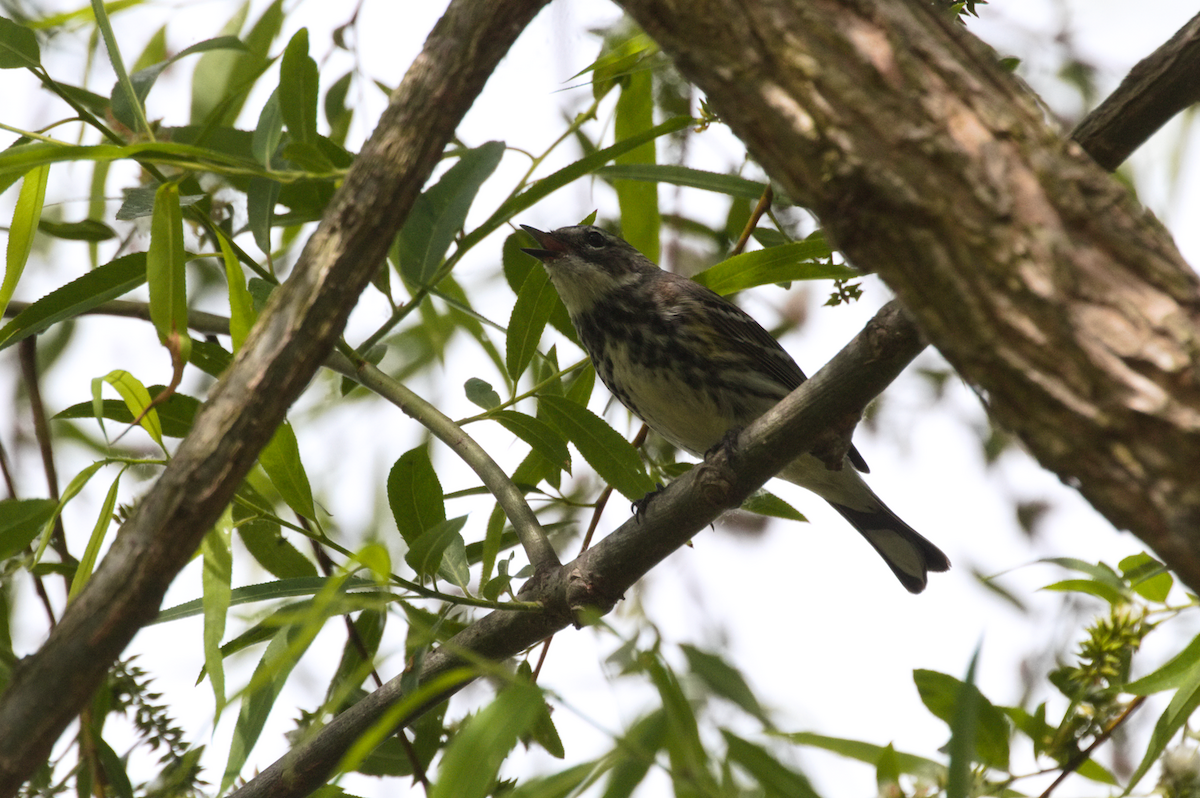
{"points": [[639, 507]]}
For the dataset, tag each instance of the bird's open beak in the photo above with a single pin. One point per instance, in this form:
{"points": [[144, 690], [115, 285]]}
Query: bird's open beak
{"points": [[550, 247]]}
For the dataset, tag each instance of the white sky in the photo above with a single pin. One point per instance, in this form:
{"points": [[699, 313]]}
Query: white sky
{"points": [[822, 630]]}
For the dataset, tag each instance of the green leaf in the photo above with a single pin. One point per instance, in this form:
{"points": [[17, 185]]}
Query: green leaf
{"points": [[1176, 672], [635, 754], [439, 213], [18, 46], [798, 260], [640, 220], [223, 78], [1183, 704], [415, 494], [731, 185], [772, 775], [724, 680], [83, 230], [216, 579], [540, 436], [241, 305], [25, 218], [271, 591], [165, 272], [281, 460], [1148, 577], [613, 457], [472, 759], [137, 399], [1090, 587], [535, 302], [299, 87], [143, 80], [270, 675], [78, 297], [481, 393], [175, 413], [270, 549], [123, 90], [425, 554], [946, 697], [766, 503], [568, 175], [20, 522], [866, 752], [686, 750], [87, 562], [965, 723]]}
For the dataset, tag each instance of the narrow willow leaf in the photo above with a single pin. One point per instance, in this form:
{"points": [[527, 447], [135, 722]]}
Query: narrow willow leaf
{"points": [[636, 753], [271, 673], [613, 458], [689, 758], [124, 87], [565, 176], [945, 696], [18, 46], [20, 522], [775, 778], [20, 233], [272, 591], [165, 270], [472, 760], [137, 399], [731, 185], [799, 260], [766, 503], [87, 563], [216, 579], [1183, 704], [175, 413], [415, 494], [541, 436], [1176, 672], [241, 305], [76, 484], [83, 230], [638, 201], [440, 211], [535, 302], [281, 460], [270, 549], [299, 84], [724, 680], [425, 554], [866, 752], [143, 80], [481, 393]]}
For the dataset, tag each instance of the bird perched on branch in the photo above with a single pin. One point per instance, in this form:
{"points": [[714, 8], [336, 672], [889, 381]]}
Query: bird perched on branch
{"points": [[693, 366]]}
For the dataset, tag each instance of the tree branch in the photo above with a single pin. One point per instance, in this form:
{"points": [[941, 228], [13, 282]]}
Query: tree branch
{"points": [[1160, 86], [1035, 274], [599, 577], [292, 337]]}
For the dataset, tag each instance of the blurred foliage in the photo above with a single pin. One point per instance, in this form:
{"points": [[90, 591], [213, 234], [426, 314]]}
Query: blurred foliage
{"points": [[228, 209]]}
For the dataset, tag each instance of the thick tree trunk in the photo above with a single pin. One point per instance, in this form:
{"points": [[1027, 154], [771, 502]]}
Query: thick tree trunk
{"points": [[1036, 274]]}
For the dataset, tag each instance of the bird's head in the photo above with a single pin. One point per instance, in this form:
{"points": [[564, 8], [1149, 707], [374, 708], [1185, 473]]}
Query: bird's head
{"points": [[586, 263]]}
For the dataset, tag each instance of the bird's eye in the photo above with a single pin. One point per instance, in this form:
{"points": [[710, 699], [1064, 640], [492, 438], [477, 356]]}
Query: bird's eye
{"points": [[595, 239]]}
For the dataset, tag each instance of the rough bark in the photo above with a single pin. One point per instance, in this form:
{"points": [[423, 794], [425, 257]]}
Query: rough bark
{"points": [[291, 339], [1036, 274]]}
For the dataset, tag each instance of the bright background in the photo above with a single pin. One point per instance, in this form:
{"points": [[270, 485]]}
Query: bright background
{"points": [[822, 630]]}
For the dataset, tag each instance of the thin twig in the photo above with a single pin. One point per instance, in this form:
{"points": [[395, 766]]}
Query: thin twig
{"points": [[1083, 756]]}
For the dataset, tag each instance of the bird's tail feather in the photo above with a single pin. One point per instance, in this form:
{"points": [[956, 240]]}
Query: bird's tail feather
{"points": [[909, 555]]}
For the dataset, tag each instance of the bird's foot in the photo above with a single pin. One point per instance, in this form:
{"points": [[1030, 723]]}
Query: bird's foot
{"points": [[639, 507]]}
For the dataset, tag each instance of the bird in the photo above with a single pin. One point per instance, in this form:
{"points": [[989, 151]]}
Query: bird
{"points": [[693, 366]]}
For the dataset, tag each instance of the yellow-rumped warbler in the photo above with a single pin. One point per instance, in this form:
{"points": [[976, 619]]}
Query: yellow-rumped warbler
{"points": [[693, 365]]}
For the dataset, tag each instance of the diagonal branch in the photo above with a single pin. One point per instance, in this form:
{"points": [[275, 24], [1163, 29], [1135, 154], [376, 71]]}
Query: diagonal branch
{"points": [[597, 579], [289, 342], [1160, 86]]}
